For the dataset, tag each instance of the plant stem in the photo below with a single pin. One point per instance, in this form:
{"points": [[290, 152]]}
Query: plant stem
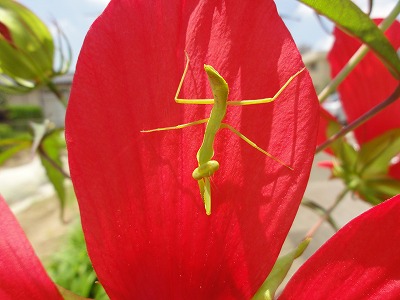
{"points": [[323, 218], [357, 57], [362, 119], [53, 163], [56, 92]]}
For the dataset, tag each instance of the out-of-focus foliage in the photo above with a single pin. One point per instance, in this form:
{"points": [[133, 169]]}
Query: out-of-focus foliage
{"points": [[365, 171], [71, 268], [45, 140], [29, 58], [27, 50]]}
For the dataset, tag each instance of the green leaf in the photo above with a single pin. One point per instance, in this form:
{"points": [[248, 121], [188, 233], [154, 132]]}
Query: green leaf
{"points": [[11, 151], [375, 156], [14, 85], [352, 20], [370, 194], [13, 141], [41, 131], [70, 267], [279, 271], [50, 155], [385, 187], [343, 151], [377, 190]]}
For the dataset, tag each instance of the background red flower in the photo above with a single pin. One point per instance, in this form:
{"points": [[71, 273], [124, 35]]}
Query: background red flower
{"points": [[367, 85], [361, 261]]}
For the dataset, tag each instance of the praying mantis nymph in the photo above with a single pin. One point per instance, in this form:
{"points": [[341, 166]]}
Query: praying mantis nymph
{"points": [[207, 166]]}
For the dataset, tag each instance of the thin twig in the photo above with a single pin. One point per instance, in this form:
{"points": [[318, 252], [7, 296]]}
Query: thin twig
{"points": [[53, 163], [362, 119], [57, 93], [370, 5], [323, 218], [357, 57]]}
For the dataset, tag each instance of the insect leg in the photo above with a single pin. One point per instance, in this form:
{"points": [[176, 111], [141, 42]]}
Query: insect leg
{"points": [[178, 126], [189, 101], [251, 143], [266, 100]]}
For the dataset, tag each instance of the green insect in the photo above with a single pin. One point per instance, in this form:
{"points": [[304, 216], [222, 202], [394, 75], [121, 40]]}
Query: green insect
{"points": [[207, 166]]}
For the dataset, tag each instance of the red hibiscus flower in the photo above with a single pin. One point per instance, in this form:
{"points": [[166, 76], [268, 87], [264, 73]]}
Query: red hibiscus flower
{"points": [[367, 85], [367, 267], [370, 171], [360, 261], [146, 230], [145, 226]]}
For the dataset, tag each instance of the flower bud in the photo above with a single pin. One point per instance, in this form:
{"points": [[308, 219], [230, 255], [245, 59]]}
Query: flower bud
{"points": [[27, 50]]}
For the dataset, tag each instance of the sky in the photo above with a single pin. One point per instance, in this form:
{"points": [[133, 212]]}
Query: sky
{"points": [[76, 16]]}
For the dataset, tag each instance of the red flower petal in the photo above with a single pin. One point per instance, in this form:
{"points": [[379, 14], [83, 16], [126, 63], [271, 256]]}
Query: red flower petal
{"points": [[5, 32], [326, 164], [367, 85], [22, 276], [394, 170], [144, 221], [361, 261]]}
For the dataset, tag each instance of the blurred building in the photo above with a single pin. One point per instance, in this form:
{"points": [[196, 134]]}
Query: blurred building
{"points": [[318, 66], [44, 98]]}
